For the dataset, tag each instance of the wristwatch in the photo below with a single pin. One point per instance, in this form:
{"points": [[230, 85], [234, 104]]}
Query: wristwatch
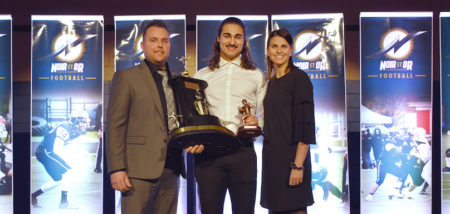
{"points": [[293, 166]]}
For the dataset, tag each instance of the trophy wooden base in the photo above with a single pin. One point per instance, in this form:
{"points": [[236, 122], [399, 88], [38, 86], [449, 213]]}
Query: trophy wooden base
{"points": [[249, 131], [216, 139]]}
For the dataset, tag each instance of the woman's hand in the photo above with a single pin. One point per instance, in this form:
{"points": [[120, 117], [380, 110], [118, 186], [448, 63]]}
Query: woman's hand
{"points": [[296, 177]]}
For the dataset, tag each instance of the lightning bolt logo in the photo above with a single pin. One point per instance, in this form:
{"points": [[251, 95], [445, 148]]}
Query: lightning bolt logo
{"points": [[1, 35], [253, 36], [139, 52], [67, 48], [308, 47], [397, 44]]}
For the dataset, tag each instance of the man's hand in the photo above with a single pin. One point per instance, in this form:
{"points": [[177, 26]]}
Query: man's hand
{"points": [[100, 133], [250, 120], [296, 177], [197, 149], [120, 181]]}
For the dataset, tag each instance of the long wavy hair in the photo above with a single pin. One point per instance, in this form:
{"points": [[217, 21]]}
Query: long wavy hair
{"points": [[246, 58], [283, 33]]}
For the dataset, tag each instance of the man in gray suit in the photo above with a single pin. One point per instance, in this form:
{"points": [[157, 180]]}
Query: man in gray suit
{"points": [[141, 165]]}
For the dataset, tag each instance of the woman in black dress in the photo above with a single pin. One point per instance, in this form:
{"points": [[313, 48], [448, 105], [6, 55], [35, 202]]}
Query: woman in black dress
{"points": [[288, 131]]}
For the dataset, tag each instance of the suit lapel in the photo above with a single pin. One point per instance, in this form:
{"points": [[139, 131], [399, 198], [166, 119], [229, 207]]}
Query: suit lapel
{"points": [[145, 73]]}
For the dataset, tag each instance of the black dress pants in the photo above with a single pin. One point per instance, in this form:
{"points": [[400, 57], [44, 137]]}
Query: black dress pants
{"points": [[235, 172]]}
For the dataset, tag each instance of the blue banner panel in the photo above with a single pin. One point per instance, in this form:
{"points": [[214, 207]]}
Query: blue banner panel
{"points": [[6, 196], [319, 51], [67, 95], [256, 29], [396, 96], [445, 112], [129, 34]]}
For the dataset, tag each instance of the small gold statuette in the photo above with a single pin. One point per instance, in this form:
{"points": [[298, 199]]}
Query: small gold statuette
{"points": [[183, 60], [200, 103], [245, 109], [247, 131]]}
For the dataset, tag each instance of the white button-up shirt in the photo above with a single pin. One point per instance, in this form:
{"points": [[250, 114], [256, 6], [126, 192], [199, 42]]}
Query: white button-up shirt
{"points": [[227, 86]]}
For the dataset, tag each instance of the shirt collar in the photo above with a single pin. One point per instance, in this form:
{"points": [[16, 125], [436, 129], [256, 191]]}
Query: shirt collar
{"points": [[236, 62], [153, 68]]}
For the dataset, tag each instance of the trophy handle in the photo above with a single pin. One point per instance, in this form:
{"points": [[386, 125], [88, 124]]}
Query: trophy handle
{"points": [[173, 116]]}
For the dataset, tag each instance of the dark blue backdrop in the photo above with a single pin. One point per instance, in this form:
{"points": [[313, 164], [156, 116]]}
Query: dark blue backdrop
{"points": [[5, 66], [44, 33], [129, 34], [445, 63], [417, 89]]}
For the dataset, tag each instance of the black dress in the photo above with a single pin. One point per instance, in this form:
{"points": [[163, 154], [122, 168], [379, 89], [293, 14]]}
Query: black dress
{"points": [[288, 119]]}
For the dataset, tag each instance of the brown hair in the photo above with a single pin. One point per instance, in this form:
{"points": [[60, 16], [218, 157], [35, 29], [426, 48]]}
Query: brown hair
{"points": [[246, 58], [283, 33], [155, 23]]}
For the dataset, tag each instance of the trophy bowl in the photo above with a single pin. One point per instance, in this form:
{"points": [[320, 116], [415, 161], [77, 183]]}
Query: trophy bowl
{"points": [[196, 125], [216, 139]]}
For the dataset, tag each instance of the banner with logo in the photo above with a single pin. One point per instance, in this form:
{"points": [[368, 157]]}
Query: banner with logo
{"points": [[256, 27], [319, 51], [396, 109], [129, 33], [445, 111], [67, 94], [6, 196]]}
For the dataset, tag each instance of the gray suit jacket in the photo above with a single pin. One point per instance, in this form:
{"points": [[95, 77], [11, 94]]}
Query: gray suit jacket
{"points": [[137, 130]]}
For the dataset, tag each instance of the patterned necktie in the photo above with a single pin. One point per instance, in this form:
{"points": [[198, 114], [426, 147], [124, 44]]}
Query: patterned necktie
{"points": [[170, 102]]}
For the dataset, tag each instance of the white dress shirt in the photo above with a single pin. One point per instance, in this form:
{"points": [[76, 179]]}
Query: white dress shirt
{"points": [[227, 86]]}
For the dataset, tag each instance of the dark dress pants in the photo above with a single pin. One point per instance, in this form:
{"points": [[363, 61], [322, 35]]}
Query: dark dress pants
{"points": [[158, 196], [235, 172]]}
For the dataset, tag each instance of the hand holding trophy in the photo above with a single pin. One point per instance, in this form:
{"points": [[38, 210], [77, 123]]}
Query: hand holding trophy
{"points": [[250, 128]]}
